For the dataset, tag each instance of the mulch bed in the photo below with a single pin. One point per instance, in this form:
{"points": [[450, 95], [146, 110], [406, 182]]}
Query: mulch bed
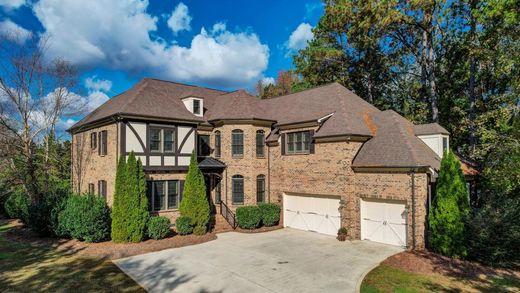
{"points": [[426, 262], [258, 230], [106, 250]]}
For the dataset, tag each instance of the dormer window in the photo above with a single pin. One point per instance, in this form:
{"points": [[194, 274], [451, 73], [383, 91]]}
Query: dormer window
{"points": [[196, 107]]}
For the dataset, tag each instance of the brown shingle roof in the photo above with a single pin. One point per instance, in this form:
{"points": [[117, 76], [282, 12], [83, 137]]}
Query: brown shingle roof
{"points": [[430, 128], [236, 105], [315, 103], [395, 145], [151, 98]]}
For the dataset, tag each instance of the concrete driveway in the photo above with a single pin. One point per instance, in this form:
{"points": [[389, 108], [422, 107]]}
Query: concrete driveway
{"points": [[284, 260]]}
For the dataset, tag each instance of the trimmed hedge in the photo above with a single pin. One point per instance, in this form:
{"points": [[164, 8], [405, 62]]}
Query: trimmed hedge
{"points": [[158, 227], [248, 217], [270, 213], [183, 225], [85, 217]]}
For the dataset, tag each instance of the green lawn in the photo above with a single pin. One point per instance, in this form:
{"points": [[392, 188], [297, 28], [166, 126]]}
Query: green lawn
{"points": [[388, 279], [26, 268]]}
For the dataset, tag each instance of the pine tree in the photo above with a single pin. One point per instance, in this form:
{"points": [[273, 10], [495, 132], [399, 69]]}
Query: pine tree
{"points": [[194, 203], [118, 218], [449, 210]]}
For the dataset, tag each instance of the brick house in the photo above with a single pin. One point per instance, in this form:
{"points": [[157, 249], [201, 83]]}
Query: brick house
{"points": [[328, 157]]}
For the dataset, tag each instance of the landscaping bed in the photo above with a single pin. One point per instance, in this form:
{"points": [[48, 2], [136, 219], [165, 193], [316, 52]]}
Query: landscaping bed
{"points": [[429, 272], [105, 250]]}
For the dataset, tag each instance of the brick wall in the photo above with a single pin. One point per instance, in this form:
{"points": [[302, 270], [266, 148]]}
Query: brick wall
{"points": [[249, 165], [89, 167]]}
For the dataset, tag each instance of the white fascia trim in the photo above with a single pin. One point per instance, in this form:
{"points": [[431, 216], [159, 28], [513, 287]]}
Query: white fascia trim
{"points": [[320, 120]]}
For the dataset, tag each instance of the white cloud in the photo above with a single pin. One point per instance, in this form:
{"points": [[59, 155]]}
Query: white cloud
{"points": [[91, 83], [300, 36], [267, 80], [11, 4], [180, 19], [14, 32], [94, 100], [117, 35]]}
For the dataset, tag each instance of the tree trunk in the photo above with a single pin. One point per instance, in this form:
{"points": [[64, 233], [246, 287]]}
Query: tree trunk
{"points": [[472, 77], [429, 63]]}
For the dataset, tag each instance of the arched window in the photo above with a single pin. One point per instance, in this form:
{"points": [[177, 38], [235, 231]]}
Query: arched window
{"points": [[217, 144], [237, 189], [237, 143], [260, 188], [260, 139]]}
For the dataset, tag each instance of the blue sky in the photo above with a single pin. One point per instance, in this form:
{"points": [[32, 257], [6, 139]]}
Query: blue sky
{"points": [[221, 44]]}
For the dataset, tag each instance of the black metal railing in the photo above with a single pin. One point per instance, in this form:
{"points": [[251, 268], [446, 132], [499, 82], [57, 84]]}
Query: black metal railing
{"points": [[228, 215]]}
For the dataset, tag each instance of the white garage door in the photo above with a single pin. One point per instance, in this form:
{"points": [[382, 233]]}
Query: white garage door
{"points": [[383, 221], [312, 213]]}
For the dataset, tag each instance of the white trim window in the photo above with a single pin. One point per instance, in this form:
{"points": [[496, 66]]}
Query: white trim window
{"points": [[298, 142]]}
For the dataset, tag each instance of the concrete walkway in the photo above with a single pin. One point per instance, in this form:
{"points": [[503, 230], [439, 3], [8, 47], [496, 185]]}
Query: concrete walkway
{"points": [[279, 261]]}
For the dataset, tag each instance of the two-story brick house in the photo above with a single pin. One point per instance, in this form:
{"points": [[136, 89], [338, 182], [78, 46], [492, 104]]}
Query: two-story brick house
{"points": [[328, 157]]}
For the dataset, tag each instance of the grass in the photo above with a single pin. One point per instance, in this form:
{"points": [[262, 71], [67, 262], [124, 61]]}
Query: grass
{"points": [[388, 279], [25, 267]]}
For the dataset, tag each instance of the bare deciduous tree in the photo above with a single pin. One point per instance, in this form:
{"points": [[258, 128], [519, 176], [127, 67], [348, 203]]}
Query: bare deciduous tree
{"points": [[35, 93]]}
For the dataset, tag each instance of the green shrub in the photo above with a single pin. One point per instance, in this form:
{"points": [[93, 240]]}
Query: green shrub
{"points": [[200, 230], [43, 216], [194, 203], [85, 217], [158, 227], [183, 225], [248, 217], [270, 213], [17, 206], [130, 210], [450, 210], [342, 231]]}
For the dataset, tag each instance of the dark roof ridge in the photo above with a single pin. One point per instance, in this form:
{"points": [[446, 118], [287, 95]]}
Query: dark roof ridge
{"points": [[185, 84]]}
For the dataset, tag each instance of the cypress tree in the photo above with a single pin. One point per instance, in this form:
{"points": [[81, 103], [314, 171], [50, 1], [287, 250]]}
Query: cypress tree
{"points": [[134, 208], [449, 210], [194, 203], [118, 218]]}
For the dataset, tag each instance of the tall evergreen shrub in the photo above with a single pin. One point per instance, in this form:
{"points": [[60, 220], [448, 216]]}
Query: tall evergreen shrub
{"points": [[118, 218], [450, 210], [130, 209], [194, 203]]}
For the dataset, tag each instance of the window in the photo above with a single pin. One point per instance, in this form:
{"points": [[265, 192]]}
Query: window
{"points": [[155, 140], [91, 189], [237, 142], [93, 140], [444, 144], [298, 142], [203, 147], [260, 188], [102, 150], [102, 188], [161, 140], [237, 189], [196, 107], [217, 144], [218, 190], [169, 140], [260, 138], [163, 195]]}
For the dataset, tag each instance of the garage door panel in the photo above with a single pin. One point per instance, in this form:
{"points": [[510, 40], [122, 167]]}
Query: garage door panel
{"points": [[312, 213], [383, 221]]}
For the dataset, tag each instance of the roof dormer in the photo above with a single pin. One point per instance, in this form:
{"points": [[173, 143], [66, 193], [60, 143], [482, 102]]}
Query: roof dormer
{"points": [[434, 136], [195, 105]]}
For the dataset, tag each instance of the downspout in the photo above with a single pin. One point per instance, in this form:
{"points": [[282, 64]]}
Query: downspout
{"points": [[413, 210], [268, 174]]}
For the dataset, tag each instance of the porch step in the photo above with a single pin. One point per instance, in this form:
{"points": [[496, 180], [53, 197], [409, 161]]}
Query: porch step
{"points": [[220, 224]]}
